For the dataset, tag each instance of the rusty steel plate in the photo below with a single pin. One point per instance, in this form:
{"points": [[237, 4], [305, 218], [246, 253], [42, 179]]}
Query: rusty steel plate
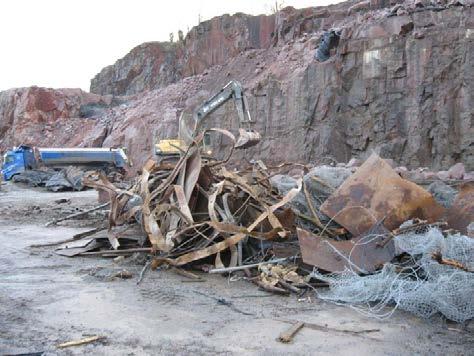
{"points": [[362, 254], [461, 214], [376, 192]]}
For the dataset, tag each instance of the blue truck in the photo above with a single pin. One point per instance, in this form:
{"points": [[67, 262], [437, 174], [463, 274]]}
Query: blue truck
{"points": [[23, 158]]}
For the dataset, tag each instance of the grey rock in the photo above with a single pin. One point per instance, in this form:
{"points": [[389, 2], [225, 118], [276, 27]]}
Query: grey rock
{"points": [[331, 177], [443, 193], [457, 171], [320, 183], [34, 178], [58, 182]]}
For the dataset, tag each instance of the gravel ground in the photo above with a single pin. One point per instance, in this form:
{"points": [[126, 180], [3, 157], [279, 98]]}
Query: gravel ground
{"points": [[46, 299]]}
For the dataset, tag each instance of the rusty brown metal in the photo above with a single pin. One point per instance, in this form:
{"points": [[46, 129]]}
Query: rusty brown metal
{"points": [[461, 213], [362, 254], [375, 192]]}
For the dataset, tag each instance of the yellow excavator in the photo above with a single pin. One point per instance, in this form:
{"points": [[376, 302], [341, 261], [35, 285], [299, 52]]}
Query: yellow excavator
{"points": [[247, 136]]}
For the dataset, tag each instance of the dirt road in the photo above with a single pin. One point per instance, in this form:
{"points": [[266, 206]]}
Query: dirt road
{"points": [[46, 299]]}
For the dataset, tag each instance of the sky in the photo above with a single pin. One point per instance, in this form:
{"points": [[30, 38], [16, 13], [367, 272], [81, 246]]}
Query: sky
{"points": [[64, 43]]}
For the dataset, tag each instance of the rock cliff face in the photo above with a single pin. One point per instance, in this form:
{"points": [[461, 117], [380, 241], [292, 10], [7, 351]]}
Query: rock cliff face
{"points": [[148, 66], [399, 82], [46, 117], [399, 85], [157, 64]]}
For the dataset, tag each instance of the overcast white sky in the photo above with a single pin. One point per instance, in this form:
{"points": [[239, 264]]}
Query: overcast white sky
{"points": [[64, 43]]}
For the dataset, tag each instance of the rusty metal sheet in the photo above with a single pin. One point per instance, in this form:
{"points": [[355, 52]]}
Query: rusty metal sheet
{"points": [[191, 173], [362, 254], [375, 192], [183, 204], [461, 213], [74, 249]]}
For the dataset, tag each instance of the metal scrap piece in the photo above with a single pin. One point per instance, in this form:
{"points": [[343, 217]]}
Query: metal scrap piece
{"points": [[78, 248], [375, 192], [461, 213], [361, 254], [83, 341], [288, 335], [232, 240]]}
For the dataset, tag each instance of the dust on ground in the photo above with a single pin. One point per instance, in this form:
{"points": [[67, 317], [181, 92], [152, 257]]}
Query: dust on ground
{"points": [[46, 299]]}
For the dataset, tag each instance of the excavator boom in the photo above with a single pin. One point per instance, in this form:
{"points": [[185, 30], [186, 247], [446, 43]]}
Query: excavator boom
{"points": [[247, 137], [232, 90]]}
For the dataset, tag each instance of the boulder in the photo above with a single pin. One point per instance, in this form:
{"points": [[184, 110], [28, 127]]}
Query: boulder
{"points": [[320, 182], [34, 178], [58, 182], [354, 162], [469, 176], [457, 171], [402, 171], [443, 175], [429, 175]]}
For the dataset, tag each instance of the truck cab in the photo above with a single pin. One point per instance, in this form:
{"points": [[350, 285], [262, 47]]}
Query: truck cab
{"points": [[17, 160]]}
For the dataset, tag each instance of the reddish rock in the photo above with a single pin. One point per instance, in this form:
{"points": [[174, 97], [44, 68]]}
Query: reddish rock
{"points": [[148, 66], [46, 117], [428, 175], [419, 34], [354, 162], [385, 104], [457, 171], [402, 12], [443, 175], [415, 175], [360, 6], [221, 38], [381, 90], [469, 176], [402, 171], [155, 65]]}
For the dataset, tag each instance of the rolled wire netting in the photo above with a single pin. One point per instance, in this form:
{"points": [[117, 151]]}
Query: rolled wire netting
{"points": [[420, 285]]}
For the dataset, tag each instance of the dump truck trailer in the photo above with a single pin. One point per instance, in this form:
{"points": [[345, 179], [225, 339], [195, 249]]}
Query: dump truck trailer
{"points": [[23, 158]]}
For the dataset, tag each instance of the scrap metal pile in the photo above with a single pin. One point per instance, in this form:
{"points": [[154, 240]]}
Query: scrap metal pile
{"points": [[313, 230], [193, 210]]}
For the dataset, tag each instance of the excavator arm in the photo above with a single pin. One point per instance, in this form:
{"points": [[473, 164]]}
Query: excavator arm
{"points": [[233, 89]]}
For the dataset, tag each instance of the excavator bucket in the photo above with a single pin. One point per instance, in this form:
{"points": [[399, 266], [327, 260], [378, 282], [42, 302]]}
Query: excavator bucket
{"points": [[247, 139]]}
